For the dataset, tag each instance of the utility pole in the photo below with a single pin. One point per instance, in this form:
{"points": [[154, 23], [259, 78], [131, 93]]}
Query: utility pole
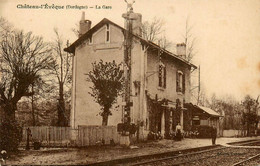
{"points": [[127, 68], [198, 100]]}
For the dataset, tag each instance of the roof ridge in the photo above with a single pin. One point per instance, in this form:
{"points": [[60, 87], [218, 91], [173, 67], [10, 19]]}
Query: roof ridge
{"points": [[71, 48]]}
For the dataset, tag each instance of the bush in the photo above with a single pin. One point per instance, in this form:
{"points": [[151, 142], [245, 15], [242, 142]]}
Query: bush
{"points": [[258, 132], [204, 131], [154, 136], [36, 145], [11, 135]]}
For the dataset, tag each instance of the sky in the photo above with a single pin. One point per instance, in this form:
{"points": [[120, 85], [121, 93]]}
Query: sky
{"points": [[226, 31]]}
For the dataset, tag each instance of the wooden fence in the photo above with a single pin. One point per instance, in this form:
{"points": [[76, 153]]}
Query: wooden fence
{"points": [[93, 135], [48, 135], [66, 136], [234, 133]]}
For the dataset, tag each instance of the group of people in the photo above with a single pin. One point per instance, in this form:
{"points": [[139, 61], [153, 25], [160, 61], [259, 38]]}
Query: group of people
{"points": [[179, 136]]}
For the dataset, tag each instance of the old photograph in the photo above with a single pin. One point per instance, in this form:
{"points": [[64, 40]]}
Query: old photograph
{"points": [[130, 82]]}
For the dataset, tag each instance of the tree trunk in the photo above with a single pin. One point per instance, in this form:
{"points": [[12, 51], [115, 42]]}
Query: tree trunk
{"points": [[33, 112], [105, 116], [247, 128], [10, 132], [9, 113], [61, 107]]}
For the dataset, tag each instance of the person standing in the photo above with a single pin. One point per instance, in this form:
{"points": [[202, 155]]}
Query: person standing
{"points": [[29, 134], [213, 134], [178, 132]]}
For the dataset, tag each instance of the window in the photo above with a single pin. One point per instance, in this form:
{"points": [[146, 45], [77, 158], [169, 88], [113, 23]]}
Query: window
{"points": [[180, 82], [162, 75], [196, 122], [107, 33]]}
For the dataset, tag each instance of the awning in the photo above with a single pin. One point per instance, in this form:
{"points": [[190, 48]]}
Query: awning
{"points": [[209, 111]]}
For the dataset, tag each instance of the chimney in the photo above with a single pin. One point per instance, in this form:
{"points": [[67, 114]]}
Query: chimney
{"points": [[84, 25], [181, 50], [136, 22]]}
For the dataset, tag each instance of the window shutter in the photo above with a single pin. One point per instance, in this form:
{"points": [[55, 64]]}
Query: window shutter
{"points": [[183, 83], [107, 33], [164, 77], [160, 76], [177, 81]]}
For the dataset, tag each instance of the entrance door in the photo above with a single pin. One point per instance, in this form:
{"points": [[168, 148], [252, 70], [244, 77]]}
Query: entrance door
{"points": [[159, 122]]}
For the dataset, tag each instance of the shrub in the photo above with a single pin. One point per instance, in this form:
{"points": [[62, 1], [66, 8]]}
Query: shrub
{"points": [[258, 132], [204, 131], [11, 135]]}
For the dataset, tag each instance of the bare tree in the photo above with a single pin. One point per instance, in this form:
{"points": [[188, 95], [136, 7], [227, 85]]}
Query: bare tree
{"points": [[24, 58], [76, 30], [41, 92], [5, 28], [153, 31], [189, 40], [62, 72]]}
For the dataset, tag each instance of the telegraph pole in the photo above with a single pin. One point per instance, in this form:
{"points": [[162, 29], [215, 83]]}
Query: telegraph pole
{"points": [[198, 87], [127, 68]]}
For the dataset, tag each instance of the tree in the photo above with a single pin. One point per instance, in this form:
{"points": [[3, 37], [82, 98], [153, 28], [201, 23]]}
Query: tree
{"points": [[42, 91], [62, 72], [107, 79], [189, 40], [152, 31], [5, 28], [250, 117], [76, 30], [24, 58]]}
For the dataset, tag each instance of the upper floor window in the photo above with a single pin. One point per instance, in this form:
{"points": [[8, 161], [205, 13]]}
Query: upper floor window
{"points": [[107, 33], [162, 75], [180, 82]]}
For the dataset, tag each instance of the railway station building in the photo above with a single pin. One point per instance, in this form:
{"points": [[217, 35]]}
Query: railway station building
{"points": [[160, 80]]}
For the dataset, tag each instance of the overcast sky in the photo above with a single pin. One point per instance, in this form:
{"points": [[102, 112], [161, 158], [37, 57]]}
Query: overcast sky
{"points": [[227, 33]]}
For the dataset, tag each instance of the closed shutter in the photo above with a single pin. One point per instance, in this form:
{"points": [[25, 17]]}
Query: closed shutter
{"points": [[164, 77], [160, 76], [177, 81], [183, 83]]}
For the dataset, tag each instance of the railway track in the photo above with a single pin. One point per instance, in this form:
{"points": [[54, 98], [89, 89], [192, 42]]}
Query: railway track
{"points": [[194, 156], [250, 161], [180, 159], [191, 158]]}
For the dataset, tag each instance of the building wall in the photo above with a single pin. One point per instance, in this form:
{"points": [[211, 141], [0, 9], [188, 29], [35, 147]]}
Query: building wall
{"points": [[145, 65], [171, 68], [86, 110], [169, 93]]}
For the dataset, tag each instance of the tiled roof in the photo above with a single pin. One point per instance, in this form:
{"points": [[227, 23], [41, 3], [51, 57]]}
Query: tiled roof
{"points": [[209, 111], [71, 48]]}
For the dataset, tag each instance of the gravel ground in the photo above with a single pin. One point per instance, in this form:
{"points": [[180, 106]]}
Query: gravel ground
{"points": [[54, 156]]}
